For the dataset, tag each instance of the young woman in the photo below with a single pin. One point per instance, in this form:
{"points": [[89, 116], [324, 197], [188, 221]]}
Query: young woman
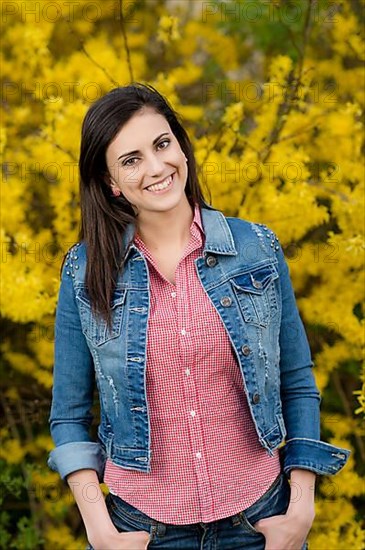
{"points": [[186, 321]]}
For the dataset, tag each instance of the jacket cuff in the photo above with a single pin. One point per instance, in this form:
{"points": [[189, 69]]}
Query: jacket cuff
{"points": [[311, 454], [77, 455]]}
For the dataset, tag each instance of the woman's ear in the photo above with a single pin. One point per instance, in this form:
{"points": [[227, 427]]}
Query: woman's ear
{"points": [[114, 187], [117, 193]]}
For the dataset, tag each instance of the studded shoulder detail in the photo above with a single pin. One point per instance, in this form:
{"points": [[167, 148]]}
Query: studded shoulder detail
{"points": [[266, 234], [71, 259]]}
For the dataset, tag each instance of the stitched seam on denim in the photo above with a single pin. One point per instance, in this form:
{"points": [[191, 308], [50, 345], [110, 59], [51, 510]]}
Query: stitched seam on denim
{"points": [[246, 524], [120, 513], [316, 468], [115, 508]]}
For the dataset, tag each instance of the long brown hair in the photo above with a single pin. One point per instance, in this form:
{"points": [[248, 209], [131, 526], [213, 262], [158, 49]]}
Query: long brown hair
{"points": [[104, 216]]}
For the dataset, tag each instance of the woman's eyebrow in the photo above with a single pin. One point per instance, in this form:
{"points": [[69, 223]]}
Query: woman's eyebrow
{"points": [[153, 143]]}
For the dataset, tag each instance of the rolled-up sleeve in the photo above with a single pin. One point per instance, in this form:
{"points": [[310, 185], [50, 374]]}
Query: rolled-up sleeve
{"points": [[299, 394], [79, 455], [73, 390]]}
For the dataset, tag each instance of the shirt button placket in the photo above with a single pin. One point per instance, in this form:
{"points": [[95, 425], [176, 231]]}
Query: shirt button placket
{"points": [[187, 345]]}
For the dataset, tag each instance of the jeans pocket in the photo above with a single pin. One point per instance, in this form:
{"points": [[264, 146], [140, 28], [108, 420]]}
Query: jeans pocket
{"points": [[126, 517], [273, 502]]}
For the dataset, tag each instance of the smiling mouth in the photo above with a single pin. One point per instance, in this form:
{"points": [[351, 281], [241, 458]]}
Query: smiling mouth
{"points": [[160, 186]]}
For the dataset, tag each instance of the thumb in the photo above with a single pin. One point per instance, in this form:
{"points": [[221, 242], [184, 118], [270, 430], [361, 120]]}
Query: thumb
{"points": [[259, 526]]}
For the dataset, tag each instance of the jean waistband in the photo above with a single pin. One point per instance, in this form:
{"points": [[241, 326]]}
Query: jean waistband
{"points": [[160, 527]]}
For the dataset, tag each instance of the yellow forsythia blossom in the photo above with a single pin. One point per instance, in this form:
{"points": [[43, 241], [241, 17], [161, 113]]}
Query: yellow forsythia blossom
{"points": [[278, 139]]}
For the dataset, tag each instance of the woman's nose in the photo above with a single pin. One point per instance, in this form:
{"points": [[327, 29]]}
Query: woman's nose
{"points": [[154, 165]]}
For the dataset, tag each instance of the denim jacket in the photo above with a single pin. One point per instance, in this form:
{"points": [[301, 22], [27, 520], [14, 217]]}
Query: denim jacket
{"points": [[245, 275]]}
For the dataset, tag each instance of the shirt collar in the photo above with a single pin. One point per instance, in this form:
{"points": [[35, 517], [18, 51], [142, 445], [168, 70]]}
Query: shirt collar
{"points": [[198, 218], [211, 223]]}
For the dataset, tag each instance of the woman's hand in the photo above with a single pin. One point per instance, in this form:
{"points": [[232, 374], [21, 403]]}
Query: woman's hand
{"points": [[113, 540], [102, 534], [287, 531]]}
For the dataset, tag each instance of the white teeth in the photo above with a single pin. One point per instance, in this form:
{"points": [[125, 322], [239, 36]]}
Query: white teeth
{"points": [[160, 186]]}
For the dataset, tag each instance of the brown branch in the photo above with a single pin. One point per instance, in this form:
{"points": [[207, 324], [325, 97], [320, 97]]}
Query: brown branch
{"points": [[219, 137], [125, 39], [305, 129], [286, 106], [292, 37], [290, 96], [270, 98], [90, 58], [83, 49], [342, 196], [59, 147], [305, 35], [26, 424]]}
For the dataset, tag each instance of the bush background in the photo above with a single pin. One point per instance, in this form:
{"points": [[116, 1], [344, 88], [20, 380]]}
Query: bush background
{"points": [[271, 93]]}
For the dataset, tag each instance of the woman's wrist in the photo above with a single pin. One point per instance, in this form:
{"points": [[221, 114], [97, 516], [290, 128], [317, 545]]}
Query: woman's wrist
{"points": [[90, 500], [98, 534], [302, 495]]}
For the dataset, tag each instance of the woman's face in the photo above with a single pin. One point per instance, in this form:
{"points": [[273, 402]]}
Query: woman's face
{"points": [[147, 164]]}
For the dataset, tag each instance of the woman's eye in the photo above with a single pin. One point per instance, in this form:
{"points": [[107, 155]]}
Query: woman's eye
{"points": [[167, 141], [128, 161], [131, 161]]}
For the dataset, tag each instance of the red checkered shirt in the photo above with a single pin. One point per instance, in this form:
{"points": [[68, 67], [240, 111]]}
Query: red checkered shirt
{"points": [[206, 460]]}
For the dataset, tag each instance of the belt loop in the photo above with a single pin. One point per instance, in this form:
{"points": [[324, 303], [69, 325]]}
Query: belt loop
{"points": [[160, 528], [236, 520]]}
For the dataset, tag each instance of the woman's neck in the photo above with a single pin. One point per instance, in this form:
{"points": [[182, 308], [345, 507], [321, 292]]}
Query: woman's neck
{"points": [[159, 230]]}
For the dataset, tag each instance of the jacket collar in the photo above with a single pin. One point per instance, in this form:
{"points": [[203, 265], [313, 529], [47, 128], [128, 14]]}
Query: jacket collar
{"points": [[218, 236]]}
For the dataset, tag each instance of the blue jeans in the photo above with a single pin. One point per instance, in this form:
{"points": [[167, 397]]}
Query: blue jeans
{"points": [[233, 533]]}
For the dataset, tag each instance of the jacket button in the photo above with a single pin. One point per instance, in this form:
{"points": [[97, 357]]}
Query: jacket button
{"points": [[256, 398], [246, 350], [257, 284], [211, 261], [226, 301]]}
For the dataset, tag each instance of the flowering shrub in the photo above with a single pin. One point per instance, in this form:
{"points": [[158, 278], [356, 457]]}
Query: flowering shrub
{"points": [[271, 95]]}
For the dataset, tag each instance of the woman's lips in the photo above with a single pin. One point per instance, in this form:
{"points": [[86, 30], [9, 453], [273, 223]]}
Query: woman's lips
{"points": [[159, 188]]}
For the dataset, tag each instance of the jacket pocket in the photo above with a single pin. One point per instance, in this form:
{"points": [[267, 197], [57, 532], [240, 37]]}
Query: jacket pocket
{"points": [[257, 295], [95, 328]]}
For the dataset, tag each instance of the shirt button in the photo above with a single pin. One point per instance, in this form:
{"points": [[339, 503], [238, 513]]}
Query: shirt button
{"points": [[211, 261], [256, 398], [226, 301], [183, 332], [193, 413], [187, 372], [173, 294], [246, 350], [198, 455]]}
